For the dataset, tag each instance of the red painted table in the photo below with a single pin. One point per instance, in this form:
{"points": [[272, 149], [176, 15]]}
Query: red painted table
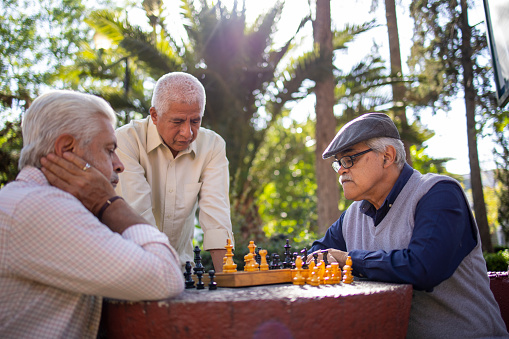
{"points": [[364, 309], [499, 284]]}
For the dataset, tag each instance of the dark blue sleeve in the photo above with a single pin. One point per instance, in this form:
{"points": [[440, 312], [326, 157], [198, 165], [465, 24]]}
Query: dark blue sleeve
{"points": [[444, 234], [333, 238]]}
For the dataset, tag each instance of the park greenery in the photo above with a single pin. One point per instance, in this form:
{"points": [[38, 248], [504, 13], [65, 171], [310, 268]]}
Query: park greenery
{"points": [[251, 85]]}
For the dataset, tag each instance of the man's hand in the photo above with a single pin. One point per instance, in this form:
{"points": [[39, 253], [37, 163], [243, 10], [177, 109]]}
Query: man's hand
{"points": [[333, 255], [217, 256], [69, 174]]}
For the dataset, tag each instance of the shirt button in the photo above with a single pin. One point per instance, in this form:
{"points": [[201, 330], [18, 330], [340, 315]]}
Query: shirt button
{"points": [[171, 190]]}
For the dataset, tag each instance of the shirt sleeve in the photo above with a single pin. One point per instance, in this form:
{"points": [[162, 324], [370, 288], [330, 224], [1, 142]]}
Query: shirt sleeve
{"points": [[56, 241], [214, 201], [133, 185], [333, 238], [444, 234]]}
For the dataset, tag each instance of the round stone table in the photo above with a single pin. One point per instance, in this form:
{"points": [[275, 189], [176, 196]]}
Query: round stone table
{"points": [[364, 309]]}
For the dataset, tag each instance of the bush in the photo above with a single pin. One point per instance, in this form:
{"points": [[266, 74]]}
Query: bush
{"points": [[497, 262]]}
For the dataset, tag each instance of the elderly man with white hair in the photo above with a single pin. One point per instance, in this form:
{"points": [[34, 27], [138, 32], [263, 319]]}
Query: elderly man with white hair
{"points": [[173, 166], [66, 239]]}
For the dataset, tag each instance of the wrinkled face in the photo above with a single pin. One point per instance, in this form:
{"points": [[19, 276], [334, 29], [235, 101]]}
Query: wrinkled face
{"points": [[100, 152], [178, 125], [361, 181]]}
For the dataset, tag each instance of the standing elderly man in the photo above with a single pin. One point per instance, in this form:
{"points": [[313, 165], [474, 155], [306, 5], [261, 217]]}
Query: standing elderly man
{"points": [[405, 227], [173, 166], [66, 239]]}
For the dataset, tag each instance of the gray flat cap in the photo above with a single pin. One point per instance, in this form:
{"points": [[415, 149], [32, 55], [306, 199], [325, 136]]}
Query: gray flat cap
{"points": [[367, 126]]}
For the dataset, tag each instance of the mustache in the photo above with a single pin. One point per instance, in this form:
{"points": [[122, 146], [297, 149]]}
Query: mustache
{"points": [[344, 178], [114, 179]]}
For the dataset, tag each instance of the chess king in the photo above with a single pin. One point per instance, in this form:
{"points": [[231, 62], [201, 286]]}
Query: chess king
{"points": [[410, 228]]}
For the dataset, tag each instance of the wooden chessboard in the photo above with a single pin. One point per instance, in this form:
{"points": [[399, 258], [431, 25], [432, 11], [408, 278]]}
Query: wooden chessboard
{"points": [[243, 278]]}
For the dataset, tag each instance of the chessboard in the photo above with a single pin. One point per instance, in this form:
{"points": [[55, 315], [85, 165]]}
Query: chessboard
{"points": [[258, 271], [243, 278]]}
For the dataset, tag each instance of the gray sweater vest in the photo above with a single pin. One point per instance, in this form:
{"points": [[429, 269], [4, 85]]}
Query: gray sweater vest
{"points": [[459, 307]]}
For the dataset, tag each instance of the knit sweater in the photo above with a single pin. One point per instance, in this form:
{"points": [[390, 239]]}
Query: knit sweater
{"points": [[461, 306]]}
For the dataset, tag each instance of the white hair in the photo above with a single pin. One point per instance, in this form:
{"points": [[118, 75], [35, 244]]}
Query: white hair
{"points": [[56, 113], [379, 145], [177, 87]]}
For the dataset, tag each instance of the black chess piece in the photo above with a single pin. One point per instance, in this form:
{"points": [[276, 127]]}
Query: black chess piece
{"points": [[197, 259], [274, 265], [315, 256], [324, 256], [200, 285], [212, 283], [188, 275], [305, 258], [294, 257], [288, 255], [258, 257]]}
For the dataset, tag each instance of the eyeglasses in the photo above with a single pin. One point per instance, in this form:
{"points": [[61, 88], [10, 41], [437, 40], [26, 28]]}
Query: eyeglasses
{"points": [[347, 161]]}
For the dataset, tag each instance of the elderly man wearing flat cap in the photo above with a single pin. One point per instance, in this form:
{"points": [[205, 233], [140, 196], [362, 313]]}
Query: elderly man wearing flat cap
{"points": [[410, 228]]}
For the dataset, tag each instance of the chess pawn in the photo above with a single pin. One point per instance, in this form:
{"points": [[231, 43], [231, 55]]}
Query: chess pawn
{"points": [[264, 266], [335, 273], [347, 271], [229, 265], [314, 280], [321, 272], [212, 283], [298, 279], [200, 285], [188, 276], [310, 271], [250, 263], [327, 277]]}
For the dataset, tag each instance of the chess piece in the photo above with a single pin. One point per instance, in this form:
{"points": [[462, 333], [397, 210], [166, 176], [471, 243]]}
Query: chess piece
{"points": [[324, 257], [321, 272], [274, 265], [197, 259], [229, 265], [335, 274], [250, 264], [258, 257], [347, 271], [305, 266], [252, 248], [263, 260], [310, 271], [298, 279], [315, 256], [288, 256], [212, 283], [314, 280], [294, 258], [327, 276], [188, 276], [200, 285]]}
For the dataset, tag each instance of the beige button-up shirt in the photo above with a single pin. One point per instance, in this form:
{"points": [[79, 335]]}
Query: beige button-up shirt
{"points": [[167, 190]]}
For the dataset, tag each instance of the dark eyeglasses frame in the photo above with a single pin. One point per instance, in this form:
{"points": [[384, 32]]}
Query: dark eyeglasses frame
{"points": [[338, 164]]}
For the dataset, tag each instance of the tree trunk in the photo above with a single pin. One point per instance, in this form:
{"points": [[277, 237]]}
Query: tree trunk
{"points": [[327, 191], [470, 96], [398, 88]]}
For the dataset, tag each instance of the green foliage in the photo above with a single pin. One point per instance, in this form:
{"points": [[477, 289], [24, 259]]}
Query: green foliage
{"points": [[497, 262], [502, 172]]}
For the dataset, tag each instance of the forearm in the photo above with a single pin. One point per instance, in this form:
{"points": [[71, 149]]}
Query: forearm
{"points": [[217, 259], [119, 216]]}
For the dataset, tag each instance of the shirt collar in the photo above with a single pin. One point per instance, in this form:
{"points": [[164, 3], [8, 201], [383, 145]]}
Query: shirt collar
{"points": [[32, 174], [154, 140], [367, 208]]}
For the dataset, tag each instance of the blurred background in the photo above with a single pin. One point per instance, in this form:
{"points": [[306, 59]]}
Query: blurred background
{"points": [[282, 77]]}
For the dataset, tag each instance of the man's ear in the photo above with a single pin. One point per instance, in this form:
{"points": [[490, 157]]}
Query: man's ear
{"points": [[389, 156], [64, 143], [153, 115]]}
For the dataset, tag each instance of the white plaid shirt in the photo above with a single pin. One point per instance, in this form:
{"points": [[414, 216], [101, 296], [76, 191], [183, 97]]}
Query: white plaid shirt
{"points": [[57, 261]]}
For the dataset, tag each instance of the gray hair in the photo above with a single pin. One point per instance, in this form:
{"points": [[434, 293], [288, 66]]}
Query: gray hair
{"points": [[178, 87], [56, 113], [380, 144]]}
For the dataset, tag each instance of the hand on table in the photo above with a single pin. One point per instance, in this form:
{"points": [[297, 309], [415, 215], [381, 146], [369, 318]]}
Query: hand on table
{"points": [[72, 174]]}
